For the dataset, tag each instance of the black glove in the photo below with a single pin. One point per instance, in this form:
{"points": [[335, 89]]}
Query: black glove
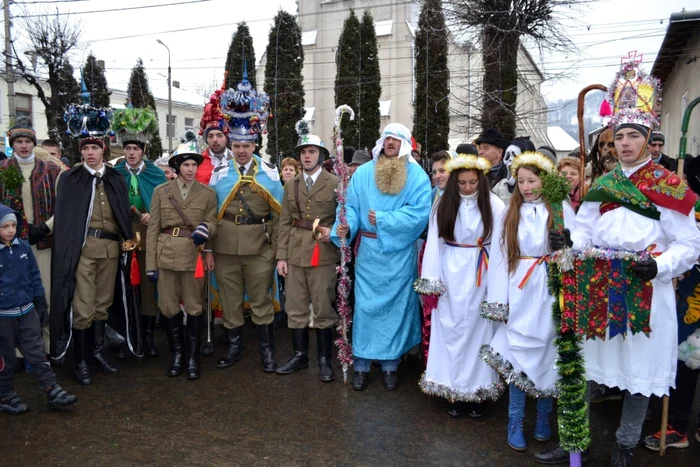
{"points": [[42, 309], [560, 240], [152, 276], [38, 232], [646, 270]]}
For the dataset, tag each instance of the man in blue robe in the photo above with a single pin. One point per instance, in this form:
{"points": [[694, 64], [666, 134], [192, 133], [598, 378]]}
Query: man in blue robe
{"points": [[388, 206]]}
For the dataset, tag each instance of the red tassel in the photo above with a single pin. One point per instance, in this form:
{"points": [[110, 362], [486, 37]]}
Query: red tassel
{"points": [[199, 269], [135, 272], [315, 256], [605, 110]]}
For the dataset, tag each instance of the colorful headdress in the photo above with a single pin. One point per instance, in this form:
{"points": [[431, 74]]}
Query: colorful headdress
{"points": [[23, 128], [212, 117], [469, 162], [306, 138], [135, 125], [89, 123], [632, 95], [396, 131], [532, 158], [188, 149]]}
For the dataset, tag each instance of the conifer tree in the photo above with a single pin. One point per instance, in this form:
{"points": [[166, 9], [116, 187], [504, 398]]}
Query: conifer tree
{"points": [[371, 88], [241, 50], [284, 85], [94, 77], [347, 61], [139, 95], [70, 95], [431, 115]]}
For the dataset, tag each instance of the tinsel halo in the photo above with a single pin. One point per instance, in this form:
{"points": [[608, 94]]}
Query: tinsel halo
{"points": [[469, 162], [533, 158]]}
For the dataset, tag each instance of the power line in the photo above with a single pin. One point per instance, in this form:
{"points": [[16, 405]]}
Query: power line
{"points": [[43, 15]]}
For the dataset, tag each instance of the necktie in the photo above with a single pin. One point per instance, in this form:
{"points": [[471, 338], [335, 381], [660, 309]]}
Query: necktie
{"points": [[242, 169], [134, 171], [309, 184], [98, 179]]}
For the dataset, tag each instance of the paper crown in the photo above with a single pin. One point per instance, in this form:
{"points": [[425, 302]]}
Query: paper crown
{"points": [[134, 125], [632, 95], [239, 113], [469, 162], [532, 158], [87, 121]]}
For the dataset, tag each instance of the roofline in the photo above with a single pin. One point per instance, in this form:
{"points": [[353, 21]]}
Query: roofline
{"points": [[669, 53]]}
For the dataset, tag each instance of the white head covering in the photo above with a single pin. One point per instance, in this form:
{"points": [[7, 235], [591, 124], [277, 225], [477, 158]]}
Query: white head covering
{"points": [[400, 132]]}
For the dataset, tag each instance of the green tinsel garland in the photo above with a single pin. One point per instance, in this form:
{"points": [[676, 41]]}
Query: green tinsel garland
{"points": [[574, 431], [132, 120], [11, 178]]}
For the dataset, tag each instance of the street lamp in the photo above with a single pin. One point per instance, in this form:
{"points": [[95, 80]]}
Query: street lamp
{"points": [[170, 102]]}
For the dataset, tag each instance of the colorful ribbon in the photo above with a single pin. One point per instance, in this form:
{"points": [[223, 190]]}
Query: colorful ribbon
{"points": [[482, 264], [539, 260]]}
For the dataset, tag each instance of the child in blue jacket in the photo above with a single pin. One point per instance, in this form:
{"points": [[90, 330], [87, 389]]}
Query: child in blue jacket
{"points": [[22, 308]]}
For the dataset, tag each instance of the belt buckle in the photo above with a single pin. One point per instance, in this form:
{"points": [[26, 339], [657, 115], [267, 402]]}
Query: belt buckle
{"points": [[176, 231], [236, 219], [97, 233]]}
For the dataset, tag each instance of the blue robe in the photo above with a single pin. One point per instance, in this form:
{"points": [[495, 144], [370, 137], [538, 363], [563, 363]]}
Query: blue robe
{"points": [[386, 321]]}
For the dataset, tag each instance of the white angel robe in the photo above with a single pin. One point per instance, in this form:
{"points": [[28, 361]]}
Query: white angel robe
{"points": [[523, 349], [454, 369], [640, 364]]}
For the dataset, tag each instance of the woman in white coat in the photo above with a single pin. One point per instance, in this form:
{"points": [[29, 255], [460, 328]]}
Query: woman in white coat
{"points": [[523, 350], [456, 260]]}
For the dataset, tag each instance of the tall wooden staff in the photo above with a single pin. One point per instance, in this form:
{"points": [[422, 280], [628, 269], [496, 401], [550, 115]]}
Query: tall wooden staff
{"points": [[581, 131], [344, 282]]}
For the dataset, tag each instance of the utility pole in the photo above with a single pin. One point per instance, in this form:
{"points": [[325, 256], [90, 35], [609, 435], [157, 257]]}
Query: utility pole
{"points": [[8, 63]]}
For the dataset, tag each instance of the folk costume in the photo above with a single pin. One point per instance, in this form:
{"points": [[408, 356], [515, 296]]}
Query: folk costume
{"points": [[136, 126], [454, 370], [183, 217], [309, 201], [642, 211], [387, 324], [522, 350], [92, 219], [249, 200]]}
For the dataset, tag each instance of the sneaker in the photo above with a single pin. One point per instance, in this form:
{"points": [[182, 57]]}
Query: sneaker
{"points": [[602, 393], [10, 403], [674, 439], [57, 397]]}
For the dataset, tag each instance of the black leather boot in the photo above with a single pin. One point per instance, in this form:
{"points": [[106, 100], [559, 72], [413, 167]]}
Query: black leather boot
{"points": [[175, 342], [80, 346], [207, 348], [193, 343], [300, 358], [267, 347], [622, 456], [324, 344], [149, 345], [57, 397], [98, 358], [235, 348]]}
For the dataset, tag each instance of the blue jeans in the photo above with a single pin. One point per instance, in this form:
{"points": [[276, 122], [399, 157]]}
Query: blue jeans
{"points": [[363, 364], [516, 403]]}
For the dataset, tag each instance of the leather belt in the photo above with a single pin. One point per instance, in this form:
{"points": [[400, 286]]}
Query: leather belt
{"points": [[303, 224], [99, 233], [177, 232], [245, 220]]}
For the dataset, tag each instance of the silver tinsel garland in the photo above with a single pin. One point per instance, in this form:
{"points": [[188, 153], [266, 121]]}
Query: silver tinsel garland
{"points": [[513, 376], [494, 311], [484, 393], [429, 286]]}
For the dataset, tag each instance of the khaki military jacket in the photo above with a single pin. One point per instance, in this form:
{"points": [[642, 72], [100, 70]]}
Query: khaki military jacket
{"points": [[168, 251], [241, 239], [296, 244]]}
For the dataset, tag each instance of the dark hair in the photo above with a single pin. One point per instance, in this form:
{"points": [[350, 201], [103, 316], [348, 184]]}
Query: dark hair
{"points": [[440, 156], [448, 206], [50, 143]]}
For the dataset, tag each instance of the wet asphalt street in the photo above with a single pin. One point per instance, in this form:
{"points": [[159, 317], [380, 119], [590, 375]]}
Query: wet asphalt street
{"points": [[242, 416]]}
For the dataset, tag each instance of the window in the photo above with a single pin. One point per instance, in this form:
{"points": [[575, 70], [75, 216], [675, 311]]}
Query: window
{"points": [[23, 105], [171, 120], [189, 123]]}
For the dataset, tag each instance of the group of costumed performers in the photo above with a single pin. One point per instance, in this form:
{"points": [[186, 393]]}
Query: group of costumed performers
{"points": [[93, 246]]}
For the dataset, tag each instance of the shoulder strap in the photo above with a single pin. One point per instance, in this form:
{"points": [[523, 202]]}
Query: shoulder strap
{"points": [[240, 197], [296, 195], [178, 208]]}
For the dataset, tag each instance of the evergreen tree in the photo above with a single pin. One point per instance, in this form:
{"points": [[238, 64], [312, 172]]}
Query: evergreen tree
{"points": [[431, 112], [139, 95], [358, 80], [284, 85], [241, 50], [70, 94], [96, 82]]}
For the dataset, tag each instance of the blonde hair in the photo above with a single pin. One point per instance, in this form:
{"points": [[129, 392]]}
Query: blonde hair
{"points": [[568, 161], [290, 161]]}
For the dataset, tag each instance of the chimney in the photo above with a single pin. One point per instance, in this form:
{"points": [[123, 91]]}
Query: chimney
{"points": [[176, 84], [101, 64]]}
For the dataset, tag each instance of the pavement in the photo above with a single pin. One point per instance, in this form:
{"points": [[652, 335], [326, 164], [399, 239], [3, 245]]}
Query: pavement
{"points": [[243, 416]]}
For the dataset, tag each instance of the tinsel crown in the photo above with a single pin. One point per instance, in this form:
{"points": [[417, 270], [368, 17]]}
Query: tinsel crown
{"points": [[212, 116], [247, 110], [469, 162], [135, 124], [85, 121], [532, 158], [633, 94]]}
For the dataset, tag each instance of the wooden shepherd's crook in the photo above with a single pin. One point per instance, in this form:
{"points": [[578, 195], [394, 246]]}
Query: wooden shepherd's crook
{"points": [[582, 132]]}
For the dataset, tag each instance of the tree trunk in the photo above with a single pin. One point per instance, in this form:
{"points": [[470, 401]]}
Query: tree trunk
{"points": [[500, 82]]}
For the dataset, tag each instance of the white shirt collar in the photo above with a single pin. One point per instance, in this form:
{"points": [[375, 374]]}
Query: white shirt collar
{"points": [[25, 160], [628, 171], [139, 169], [314, 176], [215, 161], [93, 171], [247, 166]]}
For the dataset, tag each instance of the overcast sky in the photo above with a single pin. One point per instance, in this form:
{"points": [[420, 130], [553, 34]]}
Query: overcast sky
{"points": [[198, 35]]}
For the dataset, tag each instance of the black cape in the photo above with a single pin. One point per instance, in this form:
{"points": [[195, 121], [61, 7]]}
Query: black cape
{"points": [[73, 197]]}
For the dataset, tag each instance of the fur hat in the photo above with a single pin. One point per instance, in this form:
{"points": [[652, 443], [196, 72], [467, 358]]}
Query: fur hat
{"points": [[22, 128], [493, 137]]}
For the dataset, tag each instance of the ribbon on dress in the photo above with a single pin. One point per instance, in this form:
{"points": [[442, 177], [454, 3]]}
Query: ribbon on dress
{"points": [[482, 263], [538, 260]]}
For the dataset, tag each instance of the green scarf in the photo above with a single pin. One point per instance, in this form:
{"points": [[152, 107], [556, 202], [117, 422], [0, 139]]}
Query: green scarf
{"points": [[614, 188]]}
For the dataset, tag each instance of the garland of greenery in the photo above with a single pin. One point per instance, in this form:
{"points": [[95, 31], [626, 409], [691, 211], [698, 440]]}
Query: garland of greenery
{"points": [[574, 432], [11, 178], [133, 120]]}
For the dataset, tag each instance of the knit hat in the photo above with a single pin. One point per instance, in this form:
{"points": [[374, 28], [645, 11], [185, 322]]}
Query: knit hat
{"points": [[549, 152], [658, 136], [9, 217], [466, 148], [493, 137], [23, 128], [360, 157]]}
